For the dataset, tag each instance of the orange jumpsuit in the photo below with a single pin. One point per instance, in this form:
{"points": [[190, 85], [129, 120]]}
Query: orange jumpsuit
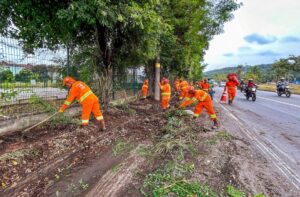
{"points": [[87, 99], [165, 95], [145, 89], [184, 88], [205, 86], [231, 89], [204, 101]]}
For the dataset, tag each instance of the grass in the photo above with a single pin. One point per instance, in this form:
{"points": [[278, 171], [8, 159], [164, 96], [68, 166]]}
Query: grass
{"points": [[170, 180], [80, 186], [222, 135], [121, 147], [295, 89], [18, 154]]}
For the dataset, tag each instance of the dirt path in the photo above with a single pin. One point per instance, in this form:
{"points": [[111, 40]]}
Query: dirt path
{"points": [[66, 160]]}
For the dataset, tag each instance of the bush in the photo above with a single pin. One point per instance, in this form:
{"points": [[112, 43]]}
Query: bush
{"points": [[6, 76]]}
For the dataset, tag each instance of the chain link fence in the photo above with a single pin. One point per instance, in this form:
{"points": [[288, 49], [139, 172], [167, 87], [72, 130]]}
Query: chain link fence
{"points": [[29, 83]]}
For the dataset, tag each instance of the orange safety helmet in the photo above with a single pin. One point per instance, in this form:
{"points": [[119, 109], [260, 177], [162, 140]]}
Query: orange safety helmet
{"points": [[68, 79], [166, 80], [146, 81]]}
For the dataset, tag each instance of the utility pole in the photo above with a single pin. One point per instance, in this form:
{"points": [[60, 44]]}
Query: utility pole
{"points": [[157, 79]]}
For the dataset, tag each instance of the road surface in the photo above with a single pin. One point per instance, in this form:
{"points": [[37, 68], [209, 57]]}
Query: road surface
{"points": [[272, 124]]}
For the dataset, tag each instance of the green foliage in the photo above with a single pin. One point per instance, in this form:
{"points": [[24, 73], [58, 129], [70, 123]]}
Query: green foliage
{"points": [[222, 135], [41, 103], [171, 180], [121, 146], [9, 94], [6, 76], [19, 154], [233, 192], [25, 75]]}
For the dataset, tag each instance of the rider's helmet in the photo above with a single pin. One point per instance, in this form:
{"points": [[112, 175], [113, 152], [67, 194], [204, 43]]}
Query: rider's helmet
{"points": [[282, 79], [250, 79]]}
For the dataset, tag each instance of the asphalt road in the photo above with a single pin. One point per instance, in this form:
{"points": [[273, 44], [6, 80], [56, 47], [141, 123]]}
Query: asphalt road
{"points": [[273, 124]]}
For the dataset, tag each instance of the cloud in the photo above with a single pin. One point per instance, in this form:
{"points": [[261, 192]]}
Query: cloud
{"points": [[290, 39], [245, 49], [228, 54], [267, 53], [259, 39]]}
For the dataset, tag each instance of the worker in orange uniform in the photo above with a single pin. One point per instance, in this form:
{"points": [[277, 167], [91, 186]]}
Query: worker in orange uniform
{"points": [[205, 85], [200, 84], [145, 88], [231, 85], [165, 93], [204, 101], [87, 99], [184, 85], [177, 85]]}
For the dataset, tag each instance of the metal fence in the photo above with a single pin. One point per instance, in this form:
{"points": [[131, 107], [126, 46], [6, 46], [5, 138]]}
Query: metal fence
{"points": [[25, 77], [28, 79]]}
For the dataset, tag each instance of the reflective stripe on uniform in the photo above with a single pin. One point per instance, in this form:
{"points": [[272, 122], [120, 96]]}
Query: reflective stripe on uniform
{"points": [[67, 103], [196, 115], [99, 118], [213, 116], [85, 121], [204, 97], [165, 94], [187, 99], [205, 89], [194, 99], [84, 96]]}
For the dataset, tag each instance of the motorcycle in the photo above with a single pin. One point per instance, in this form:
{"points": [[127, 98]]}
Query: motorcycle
{"points": [[283, 89], [250, 93], [243, 87]]}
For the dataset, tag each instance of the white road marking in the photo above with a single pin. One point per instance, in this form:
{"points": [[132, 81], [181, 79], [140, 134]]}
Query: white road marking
{"points": [[279, 102], [277, 161]]}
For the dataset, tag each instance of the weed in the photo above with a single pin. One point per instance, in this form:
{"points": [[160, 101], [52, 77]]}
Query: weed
{"points": [[171, 181], [41, 103], [121, 147], [19, 154], [234, 192], [174, 113], [222, 135], [82, 185], [115, 168], [144, 151]]}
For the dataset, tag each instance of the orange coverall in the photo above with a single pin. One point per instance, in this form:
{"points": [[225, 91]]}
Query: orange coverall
{"points": [[204, 101], [87, 99], [165, 95], [205, 86], [231, 89], [145, 89], [184, 86]]}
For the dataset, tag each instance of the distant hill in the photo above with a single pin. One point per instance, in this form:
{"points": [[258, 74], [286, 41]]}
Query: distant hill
{"points": [[226, 70]]}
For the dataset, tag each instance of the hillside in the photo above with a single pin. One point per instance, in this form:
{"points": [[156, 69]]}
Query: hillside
{"points": [[226, 70]]}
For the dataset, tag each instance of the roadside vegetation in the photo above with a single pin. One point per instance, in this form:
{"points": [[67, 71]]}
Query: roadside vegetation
{"points": [[271, 87]]}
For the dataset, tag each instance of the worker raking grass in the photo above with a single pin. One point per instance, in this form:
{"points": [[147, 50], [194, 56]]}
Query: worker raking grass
{"points": [[87, 99]]}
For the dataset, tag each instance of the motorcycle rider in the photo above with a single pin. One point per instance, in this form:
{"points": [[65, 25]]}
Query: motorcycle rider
{"points": [[281, 84], [250, 85]]}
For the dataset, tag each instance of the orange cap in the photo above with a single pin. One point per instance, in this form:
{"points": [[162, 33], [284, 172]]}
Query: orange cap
{"points": [[68, 79]]}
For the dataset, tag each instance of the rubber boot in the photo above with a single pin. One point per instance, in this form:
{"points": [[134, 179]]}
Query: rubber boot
{"points": [[102, 125], [216, 124]]}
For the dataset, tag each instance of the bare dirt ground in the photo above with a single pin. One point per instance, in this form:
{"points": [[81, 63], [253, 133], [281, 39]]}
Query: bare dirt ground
{"points": [[66, 160]]}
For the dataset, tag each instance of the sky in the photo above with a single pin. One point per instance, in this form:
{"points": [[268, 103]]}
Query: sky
{"points": [[261, 32]]}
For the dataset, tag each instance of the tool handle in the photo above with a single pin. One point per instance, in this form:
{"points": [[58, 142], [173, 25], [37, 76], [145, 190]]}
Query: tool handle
{"points": [[28, 129]]}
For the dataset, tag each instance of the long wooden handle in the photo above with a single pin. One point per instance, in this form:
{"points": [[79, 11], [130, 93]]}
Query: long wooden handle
{"points": [[28, 129]]}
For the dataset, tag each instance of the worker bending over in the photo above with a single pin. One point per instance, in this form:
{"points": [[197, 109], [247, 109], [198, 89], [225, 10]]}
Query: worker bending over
{"points": [[87, 99], [184, 86], [204, 101], [165, 93]]}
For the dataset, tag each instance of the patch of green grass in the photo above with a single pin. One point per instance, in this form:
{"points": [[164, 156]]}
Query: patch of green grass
{"points": [[115, 168], [121, 147], [144, 151], [234, 192], [76, 187], [222, 135], [171, 180], [295, 89], [175, 113], [19, 154]]}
